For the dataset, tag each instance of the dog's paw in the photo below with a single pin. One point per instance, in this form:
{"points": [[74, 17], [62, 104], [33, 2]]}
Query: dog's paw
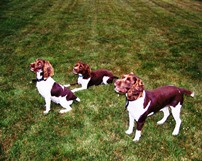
{"points": [[65, 110], [128, 131], [175, 133], [78, 99], [160, 122], [77, 89], [67, 85], [74, 90], [136, 139], [137, 135], [150, 114], [46, 112]]}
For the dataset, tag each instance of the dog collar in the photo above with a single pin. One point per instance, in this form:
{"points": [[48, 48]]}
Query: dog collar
{"points": [[80, 75], [39, 80], [127, 103]]}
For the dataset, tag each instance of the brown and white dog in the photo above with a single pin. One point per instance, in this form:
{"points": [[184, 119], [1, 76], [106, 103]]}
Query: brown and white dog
{"points": [[49, 89], [87, 78], [142, 103]]}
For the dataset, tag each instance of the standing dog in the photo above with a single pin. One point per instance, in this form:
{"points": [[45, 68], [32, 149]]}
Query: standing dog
{"points": [[142, 103], [49, 89], [89, 78]]}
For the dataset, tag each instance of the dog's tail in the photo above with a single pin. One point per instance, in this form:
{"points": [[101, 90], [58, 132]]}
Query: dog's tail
{"points": [[110, 80], [187, 92]]}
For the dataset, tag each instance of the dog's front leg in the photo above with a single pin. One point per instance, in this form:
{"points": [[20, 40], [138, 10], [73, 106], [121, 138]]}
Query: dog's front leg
{"points": [[48, 103], [131, 124], [138, 131], [137, 135], [78, 89], [84, 85]]}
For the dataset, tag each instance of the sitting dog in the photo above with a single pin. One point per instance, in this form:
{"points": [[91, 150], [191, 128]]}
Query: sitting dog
{"points": [[142, 103], [89, 78], [49, 89]]}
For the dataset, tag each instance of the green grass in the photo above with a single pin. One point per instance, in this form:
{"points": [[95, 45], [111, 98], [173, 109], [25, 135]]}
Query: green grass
{"points": [[159, 40]]}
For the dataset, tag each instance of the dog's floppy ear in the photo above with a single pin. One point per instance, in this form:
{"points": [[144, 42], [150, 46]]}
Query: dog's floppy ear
{"points": [[139, 83], [134, 78], [87, 69], [136, 91], [48, 70]]}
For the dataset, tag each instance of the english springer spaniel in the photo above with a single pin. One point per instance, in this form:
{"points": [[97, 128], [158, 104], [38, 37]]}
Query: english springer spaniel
{"points": [[87, 78], [49, 89], [142, 103]]}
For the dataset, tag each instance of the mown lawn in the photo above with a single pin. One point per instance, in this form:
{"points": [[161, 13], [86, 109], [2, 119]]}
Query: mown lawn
{"points": [[159, 40]]}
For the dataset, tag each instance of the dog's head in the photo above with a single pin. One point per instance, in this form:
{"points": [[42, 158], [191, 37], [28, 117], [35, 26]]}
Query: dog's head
{"points": [[125, 83], [81, 68], [136, 91], [44, 66]]}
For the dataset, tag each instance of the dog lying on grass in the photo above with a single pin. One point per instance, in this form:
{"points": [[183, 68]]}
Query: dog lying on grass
{"points": [[142, 103], [87, 77]]}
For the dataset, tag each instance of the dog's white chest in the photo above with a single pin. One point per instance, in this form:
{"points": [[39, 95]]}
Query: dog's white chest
{"points": [[83, 82], [136, 108], [44, 87]]}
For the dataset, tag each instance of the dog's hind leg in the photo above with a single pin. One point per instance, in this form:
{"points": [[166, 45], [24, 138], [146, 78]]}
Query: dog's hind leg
{"points": [[66, 104], [105, 80], [166, 113], [176, 114], [67, 109]]}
